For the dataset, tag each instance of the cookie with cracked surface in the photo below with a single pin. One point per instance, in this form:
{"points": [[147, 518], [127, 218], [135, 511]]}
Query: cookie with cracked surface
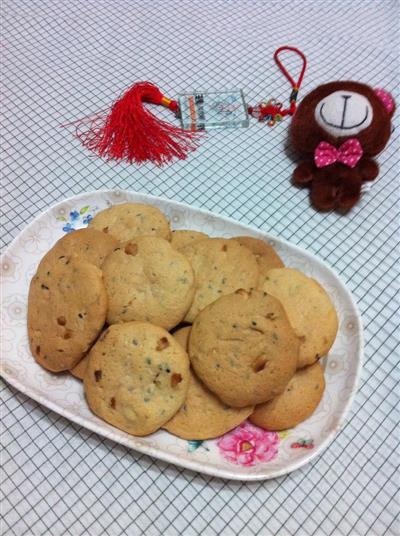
{"points": [[182, 238], [137, 377], [129, 220], [203, 415], [243, 348], [299, 400], [221, 266], [265, 255], [147, 279], [87, 245], [309, 309], [67, 307]]}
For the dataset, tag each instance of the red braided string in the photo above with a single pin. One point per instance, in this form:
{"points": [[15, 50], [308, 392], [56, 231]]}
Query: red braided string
{"points": [[295, 85], [274, 112]]}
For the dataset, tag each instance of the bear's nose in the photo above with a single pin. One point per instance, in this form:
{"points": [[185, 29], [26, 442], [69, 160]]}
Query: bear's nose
{"points": [[346, 99]]}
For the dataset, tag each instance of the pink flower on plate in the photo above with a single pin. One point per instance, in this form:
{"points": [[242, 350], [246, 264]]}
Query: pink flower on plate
{"points": [[247, 444]]}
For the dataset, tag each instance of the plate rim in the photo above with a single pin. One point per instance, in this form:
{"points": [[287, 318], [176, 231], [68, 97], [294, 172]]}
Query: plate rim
{"points": [[149, 450]]}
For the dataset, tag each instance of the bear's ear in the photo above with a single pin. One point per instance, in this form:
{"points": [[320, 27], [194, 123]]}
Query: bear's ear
{"points": [[386, 99]]}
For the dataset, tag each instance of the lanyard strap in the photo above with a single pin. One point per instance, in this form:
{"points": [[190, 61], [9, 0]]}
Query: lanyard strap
{"points": [[295, 85], [272, 111]]}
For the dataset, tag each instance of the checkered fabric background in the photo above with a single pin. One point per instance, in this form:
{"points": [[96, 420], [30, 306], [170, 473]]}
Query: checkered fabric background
{"points": [[64, 59]]}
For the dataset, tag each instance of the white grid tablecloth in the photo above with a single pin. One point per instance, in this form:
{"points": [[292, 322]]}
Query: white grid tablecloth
{"points": [[64, 59]]}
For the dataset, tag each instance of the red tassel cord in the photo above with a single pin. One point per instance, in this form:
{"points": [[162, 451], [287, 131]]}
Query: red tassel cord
{"points": [[272, 111], [131, 133]]}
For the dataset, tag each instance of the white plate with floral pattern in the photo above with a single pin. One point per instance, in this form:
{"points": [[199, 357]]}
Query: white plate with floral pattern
{"points": [[246, 453]]}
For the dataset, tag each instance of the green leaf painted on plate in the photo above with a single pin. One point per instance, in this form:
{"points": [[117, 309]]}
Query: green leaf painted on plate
{"points": [[284, 434], [84, 209], [61, 218], [194, 445]]}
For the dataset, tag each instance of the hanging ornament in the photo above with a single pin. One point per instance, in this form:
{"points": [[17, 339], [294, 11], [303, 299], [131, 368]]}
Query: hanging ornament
{"points": [[129, 132]]}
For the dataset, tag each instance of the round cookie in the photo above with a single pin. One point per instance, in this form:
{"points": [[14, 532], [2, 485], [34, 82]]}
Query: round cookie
{"points": [[203, 415], [243, 348], [79, 370], [87, 245], [183, 238], [265, 255], [130, 220], [309, 309], [137, 377], [299, 400], [67, 308], [147, 279], [221, 266]]}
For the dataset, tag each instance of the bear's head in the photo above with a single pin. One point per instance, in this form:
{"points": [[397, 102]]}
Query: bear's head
{"points": [[338, 111]]}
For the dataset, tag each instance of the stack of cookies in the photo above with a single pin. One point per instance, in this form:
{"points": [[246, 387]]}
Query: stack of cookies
{"points": [[177, 330]]}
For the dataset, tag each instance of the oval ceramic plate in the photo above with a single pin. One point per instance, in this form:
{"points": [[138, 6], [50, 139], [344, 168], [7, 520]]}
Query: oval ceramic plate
{"points": [[247, 453]]}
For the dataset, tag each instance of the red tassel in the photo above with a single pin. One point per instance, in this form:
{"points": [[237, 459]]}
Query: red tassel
{"points": [[131, 133]]}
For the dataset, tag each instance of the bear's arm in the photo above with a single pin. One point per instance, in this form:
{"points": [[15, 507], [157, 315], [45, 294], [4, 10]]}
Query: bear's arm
{"points": [[369, 169], [304, 173]]}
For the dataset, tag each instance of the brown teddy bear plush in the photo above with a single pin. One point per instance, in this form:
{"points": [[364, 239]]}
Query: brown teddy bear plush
{"points": [[339, 127]]}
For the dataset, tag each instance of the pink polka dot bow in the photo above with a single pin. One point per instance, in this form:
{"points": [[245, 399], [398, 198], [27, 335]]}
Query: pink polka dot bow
{"points": [[349, 153]]}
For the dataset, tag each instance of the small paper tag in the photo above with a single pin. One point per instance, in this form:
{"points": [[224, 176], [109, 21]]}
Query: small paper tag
{"points": [[213, 109]]}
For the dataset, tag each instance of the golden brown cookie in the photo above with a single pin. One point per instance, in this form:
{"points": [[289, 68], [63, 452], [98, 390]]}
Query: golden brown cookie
{"points": [[203, 415], [183, 238], [221, 266], [147, 279], [299, 400], [265, 255], [243, 348], [137, 377], [130, 220], [67, 308], [79, 370], [87, 245], [309, 309]]}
